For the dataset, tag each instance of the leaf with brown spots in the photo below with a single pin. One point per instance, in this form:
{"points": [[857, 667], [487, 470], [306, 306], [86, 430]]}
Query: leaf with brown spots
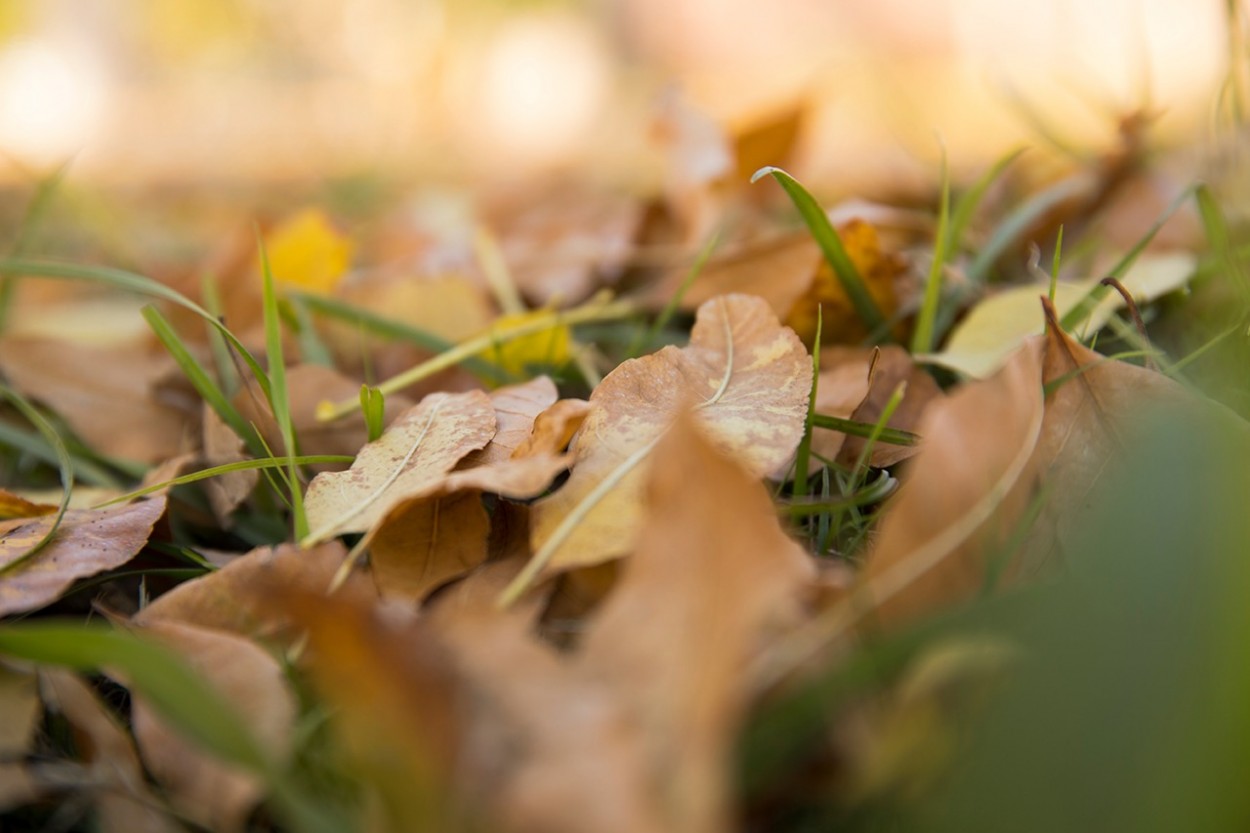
{"points": [[88, 541]]}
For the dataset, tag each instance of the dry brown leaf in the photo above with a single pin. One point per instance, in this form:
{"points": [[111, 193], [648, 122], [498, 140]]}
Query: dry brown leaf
{"points": [[398, 704], [964, 495], [123, 801], [711, 559], [554, 428], [14, 506], [214, 794], [425, 543], [19, 703], [441, 531], [552, 750], [89, 541], [419, 448], [225, 600], [1094, 413], [106, 394], [844, 391], [748, 379], [221, 446]]}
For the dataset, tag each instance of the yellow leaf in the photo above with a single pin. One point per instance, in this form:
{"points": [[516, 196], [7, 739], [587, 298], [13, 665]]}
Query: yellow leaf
{"points": [[308, 252], [546, 348]]}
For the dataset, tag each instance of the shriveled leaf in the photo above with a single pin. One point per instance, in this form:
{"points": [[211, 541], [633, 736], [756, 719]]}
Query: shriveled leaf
{"points": [[516, 409], [308, 252], [711, 559], [89, 541], [207, 790], [19, 703], [419, 447], [999, 324], [893, 366], [748, 379], [106, 394], [963, 497], [120, 793], [224, 600]]}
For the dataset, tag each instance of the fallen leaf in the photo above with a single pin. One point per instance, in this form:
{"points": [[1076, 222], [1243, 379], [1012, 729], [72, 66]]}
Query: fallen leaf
{"points": [[308, 252], [1095, 412], [709, 560], [848, 377], [517, 408], [997, 325], [14, 506], [19, 703], [553, 749], [879, 269], [963, 497], [417, 449], [88, 541], [398, 706], [778, 269], [554, 428], [221, 446], [213, 794], [119, 790], [106, 395], [748, 379], [545, 348], [225, 600]]}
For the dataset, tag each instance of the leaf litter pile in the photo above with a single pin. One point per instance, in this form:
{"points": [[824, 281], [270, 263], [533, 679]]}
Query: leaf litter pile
{"points": [[717, 508]]}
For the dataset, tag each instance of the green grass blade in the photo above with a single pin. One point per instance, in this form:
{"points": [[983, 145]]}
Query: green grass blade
{"points": [[129, 281], [34, 444], [831, 246], [31, 221], [227, 374], [311, 348], [891, 405], [279, 398], [64, 463], [228, 468], [1054, 266], [158, 674], [802, 457], [892, 436], [967, 204], [1216, 227], [1079, 312], [1020, 220], [922, 336], [200, 379], [373, 406]]}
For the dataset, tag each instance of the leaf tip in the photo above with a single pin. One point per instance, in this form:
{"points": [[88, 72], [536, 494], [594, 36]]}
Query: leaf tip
{"points": [[763, 172]]}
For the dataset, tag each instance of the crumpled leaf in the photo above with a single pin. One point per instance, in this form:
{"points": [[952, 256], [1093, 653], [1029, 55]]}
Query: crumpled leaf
{"points": [[221, 446], [307, 251], [997, 325], [122, 798], [214, 794], [106, 394], [418, 448], [554, 428], [711, 559], [965, 492], [89, 541], [748, 379]]}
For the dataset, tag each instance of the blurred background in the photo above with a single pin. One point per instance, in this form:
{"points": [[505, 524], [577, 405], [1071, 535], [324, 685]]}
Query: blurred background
{"points": [[142, 93]]}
